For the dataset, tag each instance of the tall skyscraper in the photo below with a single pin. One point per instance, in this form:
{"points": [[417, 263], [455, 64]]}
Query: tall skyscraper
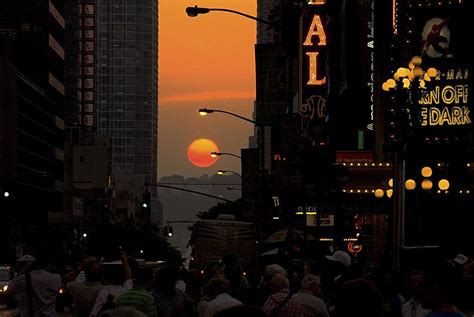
{"points": [[111, 93], [126, 60]]}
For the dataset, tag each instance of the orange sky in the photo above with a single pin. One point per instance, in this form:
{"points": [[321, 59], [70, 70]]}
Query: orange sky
{"points": [[206, 61]]}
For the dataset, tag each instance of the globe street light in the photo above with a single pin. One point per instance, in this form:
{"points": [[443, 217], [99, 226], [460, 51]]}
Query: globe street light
{"points": [[204, 111], [195, 11], [222, 172], [216, 154]]}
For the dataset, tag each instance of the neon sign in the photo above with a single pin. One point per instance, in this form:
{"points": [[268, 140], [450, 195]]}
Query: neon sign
{"points": [[316, 29], [447, 102], [313, 58]]}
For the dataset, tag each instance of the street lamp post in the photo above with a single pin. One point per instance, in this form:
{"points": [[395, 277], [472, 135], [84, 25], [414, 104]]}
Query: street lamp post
{"points": [[216, 154], [406, 85], [222, 172], [204, 112], [195, 11]]}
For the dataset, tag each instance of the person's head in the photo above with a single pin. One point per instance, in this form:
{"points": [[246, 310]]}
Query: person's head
{"points": [[340, 260], [93, 271], [241, 310], [359, 298], [217, 286], [312, 283], [278, 283], [270, 271], [254, 277], [165, 280], [113, 274], [214, 270], [144, 278], [24, 261], [440, 285], [416, 281]]}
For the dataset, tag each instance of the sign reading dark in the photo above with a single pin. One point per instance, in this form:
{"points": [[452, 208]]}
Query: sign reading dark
{"points": [[437, 33]]}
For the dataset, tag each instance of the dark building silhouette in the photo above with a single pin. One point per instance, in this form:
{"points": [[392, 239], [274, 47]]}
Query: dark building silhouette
{"points": [[32, 135]]}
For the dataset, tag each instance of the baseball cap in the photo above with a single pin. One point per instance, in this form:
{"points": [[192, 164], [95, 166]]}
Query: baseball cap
{"points": [[26, 258], [461, 259], [341, 257]]}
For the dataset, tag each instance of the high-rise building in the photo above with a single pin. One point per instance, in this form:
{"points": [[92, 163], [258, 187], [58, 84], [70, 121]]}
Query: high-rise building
{"points": [[31, 103], [111, 84], [112, 81], [126, 66]]}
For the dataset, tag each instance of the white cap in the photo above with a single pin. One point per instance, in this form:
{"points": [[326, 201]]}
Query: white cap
{"points": [[341, 257], [26, 258], [461, 259]]}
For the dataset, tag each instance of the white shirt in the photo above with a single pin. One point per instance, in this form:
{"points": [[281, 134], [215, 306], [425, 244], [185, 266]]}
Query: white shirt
{"points": [[45, 289], [413, 308], [221, 302], [114, 290]]}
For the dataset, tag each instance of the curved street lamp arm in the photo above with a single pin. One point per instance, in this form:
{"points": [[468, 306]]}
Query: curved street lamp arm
{"points": [[231, 154], [229, 171], [237, 116], [244, 15], [189, 191]]}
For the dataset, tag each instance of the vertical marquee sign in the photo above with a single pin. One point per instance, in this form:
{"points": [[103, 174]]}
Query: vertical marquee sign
{"points": [[314, 76]]}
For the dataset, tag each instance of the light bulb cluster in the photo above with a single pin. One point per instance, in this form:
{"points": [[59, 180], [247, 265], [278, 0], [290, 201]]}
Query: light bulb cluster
{"points": [[410, 184], [405, 77]]}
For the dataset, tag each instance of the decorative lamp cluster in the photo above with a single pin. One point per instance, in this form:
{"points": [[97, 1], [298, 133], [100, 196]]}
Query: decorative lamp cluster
{"points": [[405, 76], [410, 184]]}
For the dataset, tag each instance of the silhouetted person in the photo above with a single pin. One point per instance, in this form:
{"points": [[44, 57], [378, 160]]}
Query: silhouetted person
{"points": [[413, 307], [359, 298], [139, 297], [281, 303], [35, 288], [223, 300], [169, 300], [85, 293], [309, 294]]}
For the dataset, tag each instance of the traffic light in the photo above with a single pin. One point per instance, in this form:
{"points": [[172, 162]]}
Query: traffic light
{"points": [[146, 200]]}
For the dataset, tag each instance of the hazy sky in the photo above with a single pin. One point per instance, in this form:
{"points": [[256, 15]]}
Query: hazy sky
{"points": [[205, 61]]}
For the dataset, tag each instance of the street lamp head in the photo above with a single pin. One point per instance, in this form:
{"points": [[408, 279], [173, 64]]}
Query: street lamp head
{"points": [[203, 112], [6, 194], [215, 154], [195, 11], [221, 172]]}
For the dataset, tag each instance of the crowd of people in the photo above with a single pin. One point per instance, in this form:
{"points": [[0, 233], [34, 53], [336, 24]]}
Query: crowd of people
{"points": [[338, 288]]}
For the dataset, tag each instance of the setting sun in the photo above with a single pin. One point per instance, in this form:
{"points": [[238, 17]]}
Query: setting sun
{"points": [[199, 152]]}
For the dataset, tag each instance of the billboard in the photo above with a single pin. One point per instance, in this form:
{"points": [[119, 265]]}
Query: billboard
{"points": [[439, 33]]}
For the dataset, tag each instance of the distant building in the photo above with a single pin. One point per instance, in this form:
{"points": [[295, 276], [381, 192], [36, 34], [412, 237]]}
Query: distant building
{"points": [[112, 67], [127, 85]]}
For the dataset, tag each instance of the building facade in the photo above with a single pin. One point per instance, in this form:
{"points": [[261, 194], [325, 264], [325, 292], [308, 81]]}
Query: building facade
{"points": [[32, 134], [126, 60]]}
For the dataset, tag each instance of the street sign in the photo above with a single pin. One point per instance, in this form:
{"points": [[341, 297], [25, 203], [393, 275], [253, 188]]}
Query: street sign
{"points": [[325, 220]]}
